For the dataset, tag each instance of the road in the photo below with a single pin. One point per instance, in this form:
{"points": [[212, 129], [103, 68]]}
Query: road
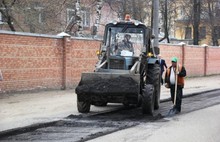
{"points": [[197, 126], [199, 121], [201, 124]]}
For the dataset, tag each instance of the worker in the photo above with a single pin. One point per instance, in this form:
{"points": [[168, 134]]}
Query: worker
{"points": [[162, 65], [170, 79], [125, 44]]}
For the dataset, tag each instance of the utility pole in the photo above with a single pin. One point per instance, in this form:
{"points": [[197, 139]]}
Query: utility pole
{"points": [[196, 21], [156, 26]]}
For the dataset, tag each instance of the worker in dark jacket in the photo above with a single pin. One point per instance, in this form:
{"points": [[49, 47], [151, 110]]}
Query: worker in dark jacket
{"points": [[162, 65], [170, 79], [125, 44]]}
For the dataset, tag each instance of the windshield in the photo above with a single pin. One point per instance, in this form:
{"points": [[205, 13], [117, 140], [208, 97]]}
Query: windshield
{"points": [[125, 41]]}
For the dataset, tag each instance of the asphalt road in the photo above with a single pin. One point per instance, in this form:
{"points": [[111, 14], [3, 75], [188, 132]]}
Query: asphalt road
{"points": [[199, 121]]}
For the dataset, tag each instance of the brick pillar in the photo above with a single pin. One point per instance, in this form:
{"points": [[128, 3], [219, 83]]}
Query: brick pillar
{"points": [[205, 59], [66, 62], [182, 44], [183, 54]]}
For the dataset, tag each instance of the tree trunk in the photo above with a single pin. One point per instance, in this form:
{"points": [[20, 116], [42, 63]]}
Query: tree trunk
{"points": [[213, 31], [6, 14], [9, 22]]}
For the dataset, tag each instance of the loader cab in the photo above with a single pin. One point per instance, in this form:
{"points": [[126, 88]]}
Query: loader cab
{"points": [[115, 34], [124, 42]]}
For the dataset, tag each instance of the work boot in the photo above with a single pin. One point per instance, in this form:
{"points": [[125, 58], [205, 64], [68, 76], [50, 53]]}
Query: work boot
{"points": [[177, 112]]}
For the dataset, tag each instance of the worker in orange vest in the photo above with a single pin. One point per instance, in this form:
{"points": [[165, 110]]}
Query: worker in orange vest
{"points": [[170, 80]]}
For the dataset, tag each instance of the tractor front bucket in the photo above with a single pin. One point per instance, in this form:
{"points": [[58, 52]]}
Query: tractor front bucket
{"points": [[106, 83]]}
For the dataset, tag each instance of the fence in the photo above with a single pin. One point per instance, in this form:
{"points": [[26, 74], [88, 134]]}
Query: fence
{"points": [[39, 62]]}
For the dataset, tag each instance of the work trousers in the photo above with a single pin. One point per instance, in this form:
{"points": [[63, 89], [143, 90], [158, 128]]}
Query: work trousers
{"points": [[179, 96], [162, 77]]}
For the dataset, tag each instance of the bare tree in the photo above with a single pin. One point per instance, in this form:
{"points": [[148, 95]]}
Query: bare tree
{"points": [[48, 16], [6, 11], [168, 10], [199, 14], [164, 12], [139, 10], [213, 10]]}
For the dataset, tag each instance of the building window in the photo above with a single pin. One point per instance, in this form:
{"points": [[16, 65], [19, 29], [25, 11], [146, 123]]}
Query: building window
{"points": [[70, 15], [188, 33], [202, 32], [217, 31], [3, 19], [181, 13], [27, 18], [35, 15], [217, 10], [40, 14], [86, 18]]}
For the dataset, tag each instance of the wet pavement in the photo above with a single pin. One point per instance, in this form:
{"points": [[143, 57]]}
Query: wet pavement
{"points": [[19, 110]]}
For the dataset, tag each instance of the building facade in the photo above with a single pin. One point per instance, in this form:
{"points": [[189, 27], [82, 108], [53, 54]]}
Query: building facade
{"points": [[209, 29], [54, 16]]}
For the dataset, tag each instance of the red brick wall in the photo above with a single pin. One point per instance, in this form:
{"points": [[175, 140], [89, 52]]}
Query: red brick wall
{"points": [[31, 62], [192, 57], [213, 60], [198, 60], [194, 60], [82, 58], [36, 62]]}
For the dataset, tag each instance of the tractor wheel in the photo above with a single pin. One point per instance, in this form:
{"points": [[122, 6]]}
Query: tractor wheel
{"points": [[83, 107], [154, 77], [148, 99], [100, 103], [139, 101]]}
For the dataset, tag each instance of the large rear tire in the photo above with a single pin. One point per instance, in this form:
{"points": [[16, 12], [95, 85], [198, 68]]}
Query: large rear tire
{"points": [[154, 77], [83, 107], [148, 99]]}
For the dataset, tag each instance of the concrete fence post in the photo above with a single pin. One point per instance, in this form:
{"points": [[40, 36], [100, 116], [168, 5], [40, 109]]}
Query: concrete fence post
{"points": [[205, 58], [183, 54], [182, 44], [66, 39]]}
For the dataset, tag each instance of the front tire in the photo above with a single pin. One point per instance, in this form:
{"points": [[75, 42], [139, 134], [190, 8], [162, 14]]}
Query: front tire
{"points": [[153, 77], [83, 107], [148, 99]]}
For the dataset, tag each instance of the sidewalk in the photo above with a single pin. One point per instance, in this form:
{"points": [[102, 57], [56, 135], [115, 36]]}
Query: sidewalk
{"points": [[19, 110]]}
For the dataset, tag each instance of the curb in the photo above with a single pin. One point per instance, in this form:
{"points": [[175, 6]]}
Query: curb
{"points": [[20, 130], [190, 95]]}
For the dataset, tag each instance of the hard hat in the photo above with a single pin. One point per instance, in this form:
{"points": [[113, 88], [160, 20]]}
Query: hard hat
{"points": [[174, 59], [127, 35]]}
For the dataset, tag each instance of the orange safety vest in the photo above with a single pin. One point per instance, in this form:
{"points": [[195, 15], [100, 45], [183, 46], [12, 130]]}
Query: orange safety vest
{"points": [[180, 80]]}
